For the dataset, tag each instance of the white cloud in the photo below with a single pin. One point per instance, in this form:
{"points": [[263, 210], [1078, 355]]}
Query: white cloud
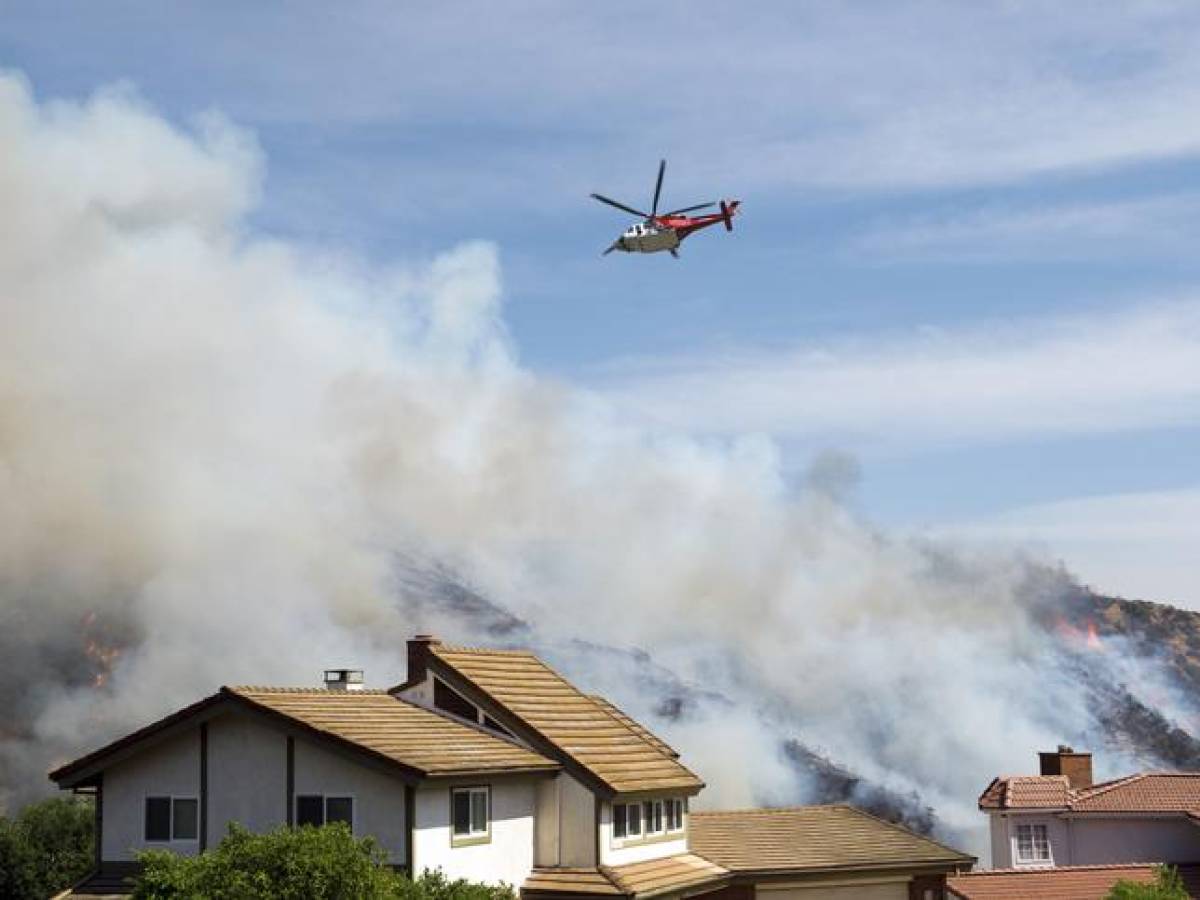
{"points": [[1096, 374], [1140, 545], [1156, 226]]}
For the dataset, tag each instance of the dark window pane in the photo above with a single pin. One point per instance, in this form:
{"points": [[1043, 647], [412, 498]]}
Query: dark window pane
{"points": [[452, 702], [158, 818], [635, 819], [339, 809], [186, 814], [462, 812], [491, 723], [310, 810], [479, 812], [619, 820]]}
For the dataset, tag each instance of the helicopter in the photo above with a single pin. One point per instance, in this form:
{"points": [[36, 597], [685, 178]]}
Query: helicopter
{"points": [[666, 231]]}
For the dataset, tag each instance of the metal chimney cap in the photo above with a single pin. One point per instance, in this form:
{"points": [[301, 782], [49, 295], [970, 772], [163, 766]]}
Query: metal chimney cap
{"points": [[344, 679]]}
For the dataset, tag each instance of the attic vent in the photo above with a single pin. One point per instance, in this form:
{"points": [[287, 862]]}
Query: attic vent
{"points": [[344, 679], [448, 699]]}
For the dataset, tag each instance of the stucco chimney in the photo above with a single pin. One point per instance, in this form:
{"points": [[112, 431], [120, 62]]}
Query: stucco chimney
{"points": [[1065, 761], [344, 679], [418, 653]]}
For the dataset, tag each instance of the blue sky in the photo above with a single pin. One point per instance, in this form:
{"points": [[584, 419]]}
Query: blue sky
{"points": [[966, 257]]}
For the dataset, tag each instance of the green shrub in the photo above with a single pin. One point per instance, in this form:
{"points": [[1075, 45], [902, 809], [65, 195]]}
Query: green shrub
{"points": [[46, 848], [1167, 885], [305, 863]]}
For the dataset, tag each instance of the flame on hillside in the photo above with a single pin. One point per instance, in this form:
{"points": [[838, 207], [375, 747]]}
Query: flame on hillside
{"points": [[1085, 636], [101, 655]]}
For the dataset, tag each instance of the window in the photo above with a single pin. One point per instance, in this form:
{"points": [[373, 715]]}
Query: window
{"points": [[318, 810], [172, 819], [1033, 845], [675, 814], [470, 815], [652, 810], [647, 820]]}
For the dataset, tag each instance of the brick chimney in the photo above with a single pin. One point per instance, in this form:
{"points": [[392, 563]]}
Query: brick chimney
{"points": [[418, 653], [1065, 761]]}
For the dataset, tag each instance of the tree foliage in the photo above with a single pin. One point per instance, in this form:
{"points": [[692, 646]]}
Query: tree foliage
{"points": [[1167, 885], [306, 863], [47, 847]]}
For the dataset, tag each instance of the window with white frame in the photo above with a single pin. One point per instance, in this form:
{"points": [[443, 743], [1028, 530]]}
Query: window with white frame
{"points": [[319, 809], [1033, 843], [171, 819], [646, 820], [470, 815]]}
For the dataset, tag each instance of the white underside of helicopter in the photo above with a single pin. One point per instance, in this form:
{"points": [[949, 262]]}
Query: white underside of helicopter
{"points": [[648, 240]]}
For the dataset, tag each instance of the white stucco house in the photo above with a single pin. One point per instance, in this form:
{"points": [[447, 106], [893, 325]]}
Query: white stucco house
{"points": [[487, 765], [1062, 818]]}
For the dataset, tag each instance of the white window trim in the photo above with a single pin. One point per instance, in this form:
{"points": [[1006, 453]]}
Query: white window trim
{"points": [[472, 837], [644, 835], [172, 839], [325, 795], [1048, 859]]}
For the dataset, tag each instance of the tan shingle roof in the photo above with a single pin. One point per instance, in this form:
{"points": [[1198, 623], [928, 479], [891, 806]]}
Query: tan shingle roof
{"points": [[613, 752], [637, 727], [1062, 883], [811, 838], [1027, 792], [650, 878], [569, 881], [673, 873], [1151, 792], [431, 744]]}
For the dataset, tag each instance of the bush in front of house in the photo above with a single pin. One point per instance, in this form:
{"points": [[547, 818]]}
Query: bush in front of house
{"points": [[1167, 885], [307, 863], [45, 848]]}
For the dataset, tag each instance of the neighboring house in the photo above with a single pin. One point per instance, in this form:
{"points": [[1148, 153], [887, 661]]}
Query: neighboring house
{"points": [[1061, 818], [1070, 883], [487, 765]]}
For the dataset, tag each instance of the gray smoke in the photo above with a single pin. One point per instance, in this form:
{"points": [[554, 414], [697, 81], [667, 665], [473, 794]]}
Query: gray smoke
{"points": [[225, 458]]}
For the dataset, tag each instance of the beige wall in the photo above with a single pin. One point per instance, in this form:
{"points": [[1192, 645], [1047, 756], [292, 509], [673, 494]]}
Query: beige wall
{"points": [[1133, 840], [378, 796], [169, 768], [247, 784], [1004, 840], [507, 857], [247, 775]]}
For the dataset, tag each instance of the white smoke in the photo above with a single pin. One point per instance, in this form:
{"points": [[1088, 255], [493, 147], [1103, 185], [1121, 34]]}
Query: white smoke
{"points": [[217, 449]]}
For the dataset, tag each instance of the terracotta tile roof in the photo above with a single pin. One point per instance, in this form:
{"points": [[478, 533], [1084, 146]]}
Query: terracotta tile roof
{"points": [[1027, 792], [673, 873], [616, 754], [1062, 883], [812, 838], [650, 878], [1148, 792], [1151, 792], [430, 744], [637, 727]]}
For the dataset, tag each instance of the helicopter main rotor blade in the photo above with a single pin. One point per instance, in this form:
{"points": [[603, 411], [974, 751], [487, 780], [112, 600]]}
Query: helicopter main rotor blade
{"points": [[687, 209], [611, 248], [662, 167], [621, 206]]}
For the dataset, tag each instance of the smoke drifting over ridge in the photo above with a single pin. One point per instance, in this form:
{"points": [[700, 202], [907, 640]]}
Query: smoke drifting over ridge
{"points": [[225, 459]]}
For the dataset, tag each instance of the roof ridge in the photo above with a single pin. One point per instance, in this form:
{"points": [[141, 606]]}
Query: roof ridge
{"points": [[1033, 870], [322, 692], [769, 810], [482, 651], [1104, 787]]}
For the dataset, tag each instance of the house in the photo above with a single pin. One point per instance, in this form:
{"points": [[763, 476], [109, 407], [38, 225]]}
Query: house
{"points": [[1062, 818], [1068, 883], [488, 765]]}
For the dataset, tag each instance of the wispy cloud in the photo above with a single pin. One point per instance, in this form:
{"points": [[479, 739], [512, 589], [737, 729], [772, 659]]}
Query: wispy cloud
{"points": [[1094, 374], [1156, 226], [1142, 544]]}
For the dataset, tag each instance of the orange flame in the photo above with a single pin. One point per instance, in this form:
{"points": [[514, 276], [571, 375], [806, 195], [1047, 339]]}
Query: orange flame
{"points": [[102, 656]]}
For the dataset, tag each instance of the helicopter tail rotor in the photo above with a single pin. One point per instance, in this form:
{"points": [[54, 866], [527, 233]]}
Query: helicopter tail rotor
{"points": [[728, 211]]}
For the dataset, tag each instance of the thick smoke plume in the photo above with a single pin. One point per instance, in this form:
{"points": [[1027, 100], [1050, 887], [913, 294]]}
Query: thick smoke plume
{"points": [[228, 459]]}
